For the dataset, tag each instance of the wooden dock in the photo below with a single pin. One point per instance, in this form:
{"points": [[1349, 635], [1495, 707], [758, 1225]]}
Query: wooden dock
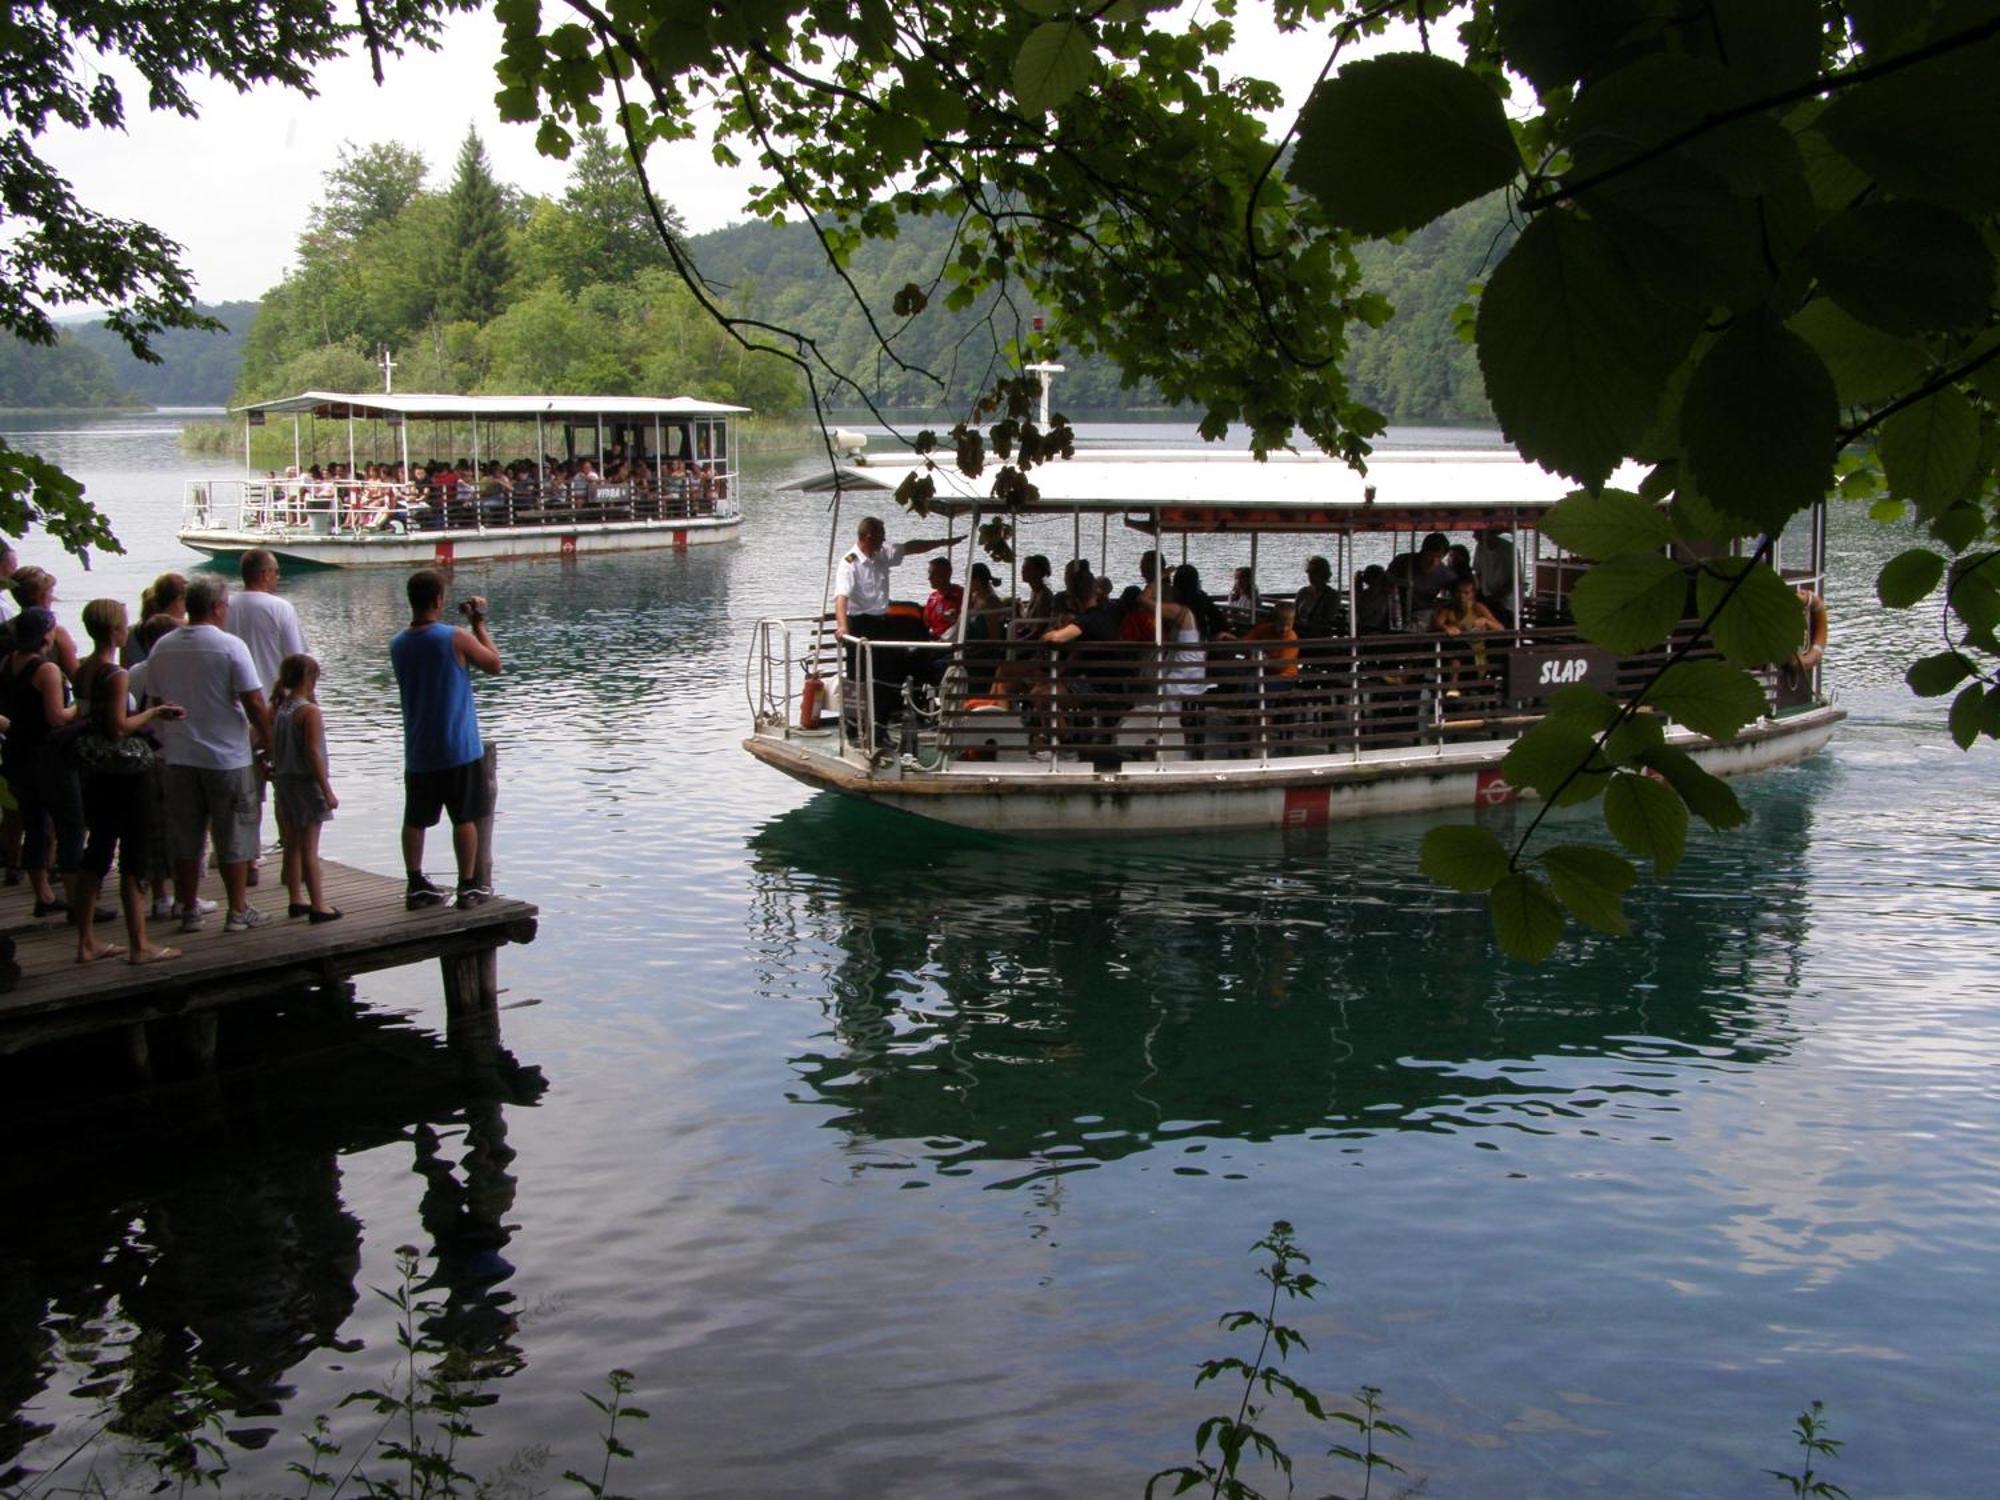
{"points": [[56, 997]]}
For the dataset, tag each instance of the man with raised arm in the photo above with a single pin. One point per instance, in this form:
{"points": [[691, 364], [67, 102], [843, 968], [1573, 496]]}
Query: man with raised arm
{"points": [[861, 608], [443, 760]]}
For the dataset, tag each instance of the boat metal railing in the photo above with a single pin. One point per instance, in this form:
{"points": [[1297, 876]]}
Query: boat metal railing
{"points": [[290, 507], [1133, 704]]}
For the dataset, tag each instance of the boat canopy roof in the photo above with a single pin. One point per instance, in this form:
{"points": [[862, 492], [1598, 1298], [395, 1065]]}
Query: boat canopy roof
{"points": [[1232, 490], [339, 405]]}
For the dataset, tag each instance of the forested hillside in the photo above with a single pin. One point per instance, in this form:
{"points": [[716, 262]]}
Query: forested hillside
{"points": [[65, 374], [196, 368], [478, 287], [1415, 369]]}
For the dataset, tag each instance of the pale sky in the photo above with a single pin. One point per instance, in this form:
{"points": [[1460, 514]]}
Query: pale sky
{"points": [[235, 185]]}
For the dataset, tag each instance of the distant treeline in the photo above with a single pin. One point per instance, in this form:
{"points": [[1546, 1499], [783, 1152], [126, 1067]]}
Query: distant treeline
{"points": [[1415, 369], [482, 288], [91, 367]]}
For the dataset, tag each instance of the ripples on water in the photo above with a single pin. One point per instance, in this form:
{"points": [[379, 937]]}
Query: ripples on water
{"points": [[898, 1161]]}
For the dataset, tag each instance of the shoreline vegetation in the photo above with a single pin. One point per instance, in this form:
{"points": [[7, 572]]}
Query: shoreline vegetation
{"points": [[480, 288]]}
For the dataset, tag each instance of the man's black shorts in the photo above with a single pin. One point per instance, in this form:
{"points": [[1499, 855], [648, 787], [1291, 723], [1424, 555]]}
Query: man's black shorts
{"points": [[461, 793]]}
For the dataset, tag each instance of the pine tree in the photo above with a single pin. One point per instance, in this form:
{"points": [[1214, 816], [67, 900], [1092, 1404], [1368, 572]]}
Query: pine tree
{"points": [[476, 260]]}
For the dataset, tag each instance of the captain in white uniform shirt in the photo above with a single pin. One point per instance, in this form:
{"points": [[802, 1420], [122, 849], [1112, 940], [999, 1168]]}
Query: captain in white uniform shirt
{"points": [[861, 588]]}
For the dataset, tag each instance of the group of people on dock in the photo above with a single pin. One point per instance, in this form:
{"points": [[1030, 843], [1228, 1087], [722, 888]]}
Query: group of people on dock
{"points": [[162, 743]]}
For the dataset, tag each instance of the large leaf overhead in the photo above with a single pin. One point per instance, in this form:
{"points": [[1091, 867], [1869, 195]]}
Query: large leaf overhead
{"points": [[1055, 61], [1391, 143], [1905, 267], [1758, 422], [1575, 361]]}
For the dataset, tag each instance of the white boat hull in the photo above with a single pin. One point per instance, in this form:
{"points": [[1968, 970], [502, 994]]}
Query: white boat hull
{"points": [[1182, 797], [443, 548]]}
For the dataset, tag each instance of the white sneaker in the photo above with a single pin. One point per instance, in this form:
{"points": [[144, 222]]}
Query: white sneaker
{"points": [[163, 908], [244, 920], [201, 908]]}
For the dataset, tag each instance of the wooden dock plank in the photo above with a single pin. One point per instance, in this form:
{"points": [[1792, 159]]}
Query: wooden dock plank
{"points": [[218, 967]]}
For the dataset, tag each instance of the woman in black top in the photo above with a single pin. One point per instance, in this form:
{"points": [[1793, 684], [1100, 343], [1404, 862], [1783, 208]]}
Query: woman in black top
{"points": [[32, 692]]}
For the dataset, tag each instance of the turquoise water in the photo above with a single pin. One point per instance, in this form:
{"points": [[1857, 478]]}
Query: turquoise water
{"points": [[895, 1161]]}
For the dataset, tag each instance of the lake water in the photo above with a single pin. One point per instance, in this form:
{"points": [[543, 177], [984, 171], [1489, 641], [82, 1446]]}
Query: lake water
{"points": [[900, 1162]]}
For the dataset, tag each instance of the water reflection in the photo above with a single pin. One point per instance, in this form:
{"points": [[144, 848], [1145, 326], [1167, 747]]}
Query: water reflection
{"points": [[1050, 1008], [205, 1223]]}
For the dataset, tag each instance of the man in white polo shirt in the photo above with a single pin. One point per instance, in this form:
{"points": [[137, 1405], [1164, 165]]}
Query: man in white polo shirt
{"points": [[211, 780], [258, 618], [861, 608]]}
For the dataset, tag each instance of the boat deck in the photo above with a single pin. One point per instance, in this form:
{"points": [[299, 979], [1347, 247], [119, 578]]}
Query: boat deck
{"points": [[57, 997]]}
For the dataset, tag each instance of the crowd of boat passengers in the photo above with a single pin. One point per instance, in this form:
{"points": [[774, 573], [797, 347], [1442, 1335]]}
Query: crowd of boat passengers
{"points": [[392, 496], [1072, 685]]}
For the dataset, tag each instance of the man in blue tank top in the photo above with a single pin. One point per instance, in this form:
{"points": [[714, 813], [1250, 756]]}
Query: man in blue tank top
{"points": [[443, 760]]}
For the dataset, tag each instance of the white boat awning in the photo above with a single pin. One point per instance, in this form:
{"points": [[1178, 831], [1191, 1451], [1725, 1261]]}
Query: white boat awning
{"points": [[340, 405], [1229, 489]]}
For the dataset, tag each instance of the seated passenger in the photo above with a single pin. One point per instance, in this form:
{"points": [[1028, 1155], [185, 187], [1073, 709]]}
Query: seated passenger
{"points": [[1375, 602], [1422, 578], [986, 611], [1493, 566], [1316, 607], [1463, 614], [1039, 608], [1281, 655], [946, 601]]}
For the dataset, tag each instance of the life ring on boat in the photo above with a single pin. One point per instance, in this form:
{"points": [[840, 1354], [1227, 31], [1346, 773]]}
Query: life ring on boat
{"points": [[811, 701], [1815, 647]]}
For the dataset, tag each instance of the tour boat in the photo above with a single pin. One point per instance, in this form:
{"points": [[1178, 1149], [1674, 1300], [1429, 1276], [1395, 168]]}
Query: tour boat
{"points": [[425, 479], [1170, 736]]}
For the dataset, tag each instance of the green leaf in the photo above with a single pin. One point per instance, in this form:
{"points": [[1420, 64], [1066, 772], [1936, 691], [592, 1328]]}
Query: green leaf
{"points": [[1575, 362], [1634, 738], [1526, 919], [1908, 576], [1463, 857], [1758, 423], [1696, 518], [1906, 267], [1708, 796], [1958, 528], [1590, 708], [1055, 62], [1556, 42], [1589, 882], [1605, 524], [1930, 132], [1391, 143], [1630, 602], [1543, 758], [1930, 451], [1709, 697], [1867, 364], [1763, 622], [1976, 601], [1934, 676], [1648, 818], [1968, 713]]}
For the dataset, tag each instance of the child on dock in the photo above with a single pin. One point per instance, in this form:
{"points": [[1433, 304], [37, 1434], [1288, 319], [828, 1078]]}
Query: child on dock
{"points": [[299, 782]]}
